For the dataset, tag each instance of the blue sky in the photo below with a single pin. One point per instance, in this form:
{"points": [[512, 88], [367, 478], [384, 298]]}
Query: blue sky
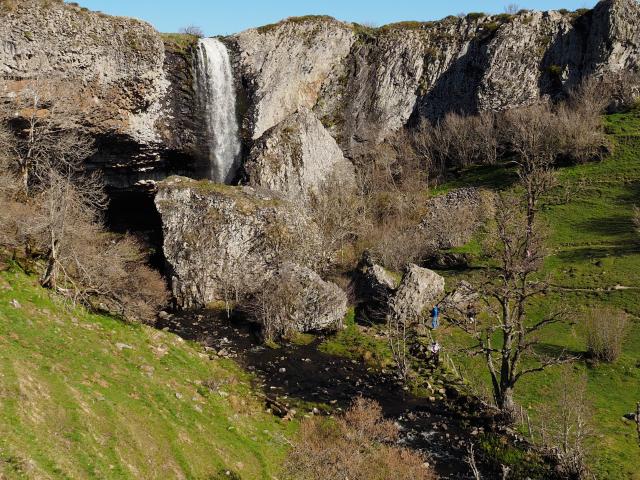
{"points": [[218, 17]]}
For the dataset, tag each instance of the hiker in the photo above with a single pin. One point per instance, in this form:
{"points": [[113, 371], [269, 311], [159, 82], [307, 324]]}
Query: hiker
{"points": [[434, 317], [434, 348]]}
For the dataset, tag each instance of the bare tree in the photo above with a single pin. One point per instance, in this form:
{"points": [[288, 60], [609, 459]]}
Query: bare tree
{"points": [[565, 428], [636, 218], [517, 248], [192, 30], [339, 212], [457, 140], [41, 132], [399, 332], [55, 207], [512, 8]]}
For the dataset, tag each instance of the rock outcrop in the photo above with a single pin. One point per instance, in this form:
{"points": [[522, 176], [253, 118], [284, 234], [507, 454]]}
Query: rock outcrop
{"points": [[114, 64], [365, 83], [374, 287], [136, 95], [222, 241], [285, 65], [297, 156], [312, 303], [419, 290]]}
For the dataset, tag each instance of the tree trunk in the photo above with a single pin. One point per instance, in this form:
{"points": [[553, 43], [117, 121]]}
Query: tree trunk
{"points": [[505, 402]]}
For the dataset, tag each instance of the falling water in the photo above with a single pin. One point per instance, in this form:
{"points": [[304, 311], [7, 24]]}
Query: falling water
{"points": [[217, 97]]}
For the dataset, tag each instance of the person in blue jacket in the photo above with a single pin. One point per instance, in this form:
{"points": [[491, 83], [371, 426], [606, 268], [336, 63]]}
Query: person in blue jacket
{"points": [[434, 317]]}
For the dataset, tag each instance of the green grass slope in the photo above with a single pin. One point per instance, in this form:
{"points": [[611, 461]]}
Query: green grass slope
{"points": [[595, 261], [86, 396]]}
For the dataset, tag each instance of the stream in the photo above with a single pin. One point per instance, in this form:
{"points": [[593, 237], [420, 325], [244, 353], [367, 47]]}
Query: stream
{"points": [[440, 429]]}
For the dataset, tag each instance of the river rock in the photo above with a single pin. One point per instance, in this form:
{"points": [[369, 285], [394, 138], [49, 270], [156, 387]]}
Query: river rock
{"points": [[221, 240], [297, 156]]}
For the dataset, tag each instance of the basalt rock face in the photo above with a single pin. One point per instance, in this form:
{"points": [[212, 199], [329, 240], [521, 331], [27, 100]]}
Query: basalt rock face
{"points": [[298, 156], [115, 66], [284, 66], [364, 84], [136, 92], [220, 241], [133, 93]]}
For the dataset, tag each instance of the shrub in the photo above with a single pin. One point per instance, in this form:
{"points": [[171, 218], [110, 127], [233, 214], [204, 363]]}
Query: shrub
{"points": [[605, 332], [356, 445], [476, 15], [192, 30]]}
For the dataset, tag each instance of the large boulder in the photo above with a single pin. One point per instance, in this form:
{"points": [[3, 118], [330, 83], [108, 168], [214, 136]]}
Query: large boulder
{"points": [[301, 301], [224, 242], [298, 156], [419, 290], [374, 287]]}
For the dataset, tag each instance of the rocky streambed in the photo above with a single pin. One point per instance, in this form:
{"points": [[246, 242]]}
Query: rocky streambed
{"points": [[301, 377]]}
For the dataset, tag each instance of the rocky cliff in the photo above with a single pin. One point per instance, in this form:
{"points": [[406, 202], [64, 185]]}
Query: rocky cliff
{"points": [[365, 83], [136, 90]]}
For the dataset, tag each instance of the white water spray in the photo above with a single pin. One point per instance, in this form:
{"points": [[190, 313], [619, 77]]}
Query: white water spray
{"points": [[217, 97]]}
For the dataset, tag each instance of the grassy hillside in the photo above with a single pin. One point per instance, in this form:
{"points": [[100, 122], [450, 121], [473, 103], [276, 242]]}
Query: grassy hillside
{"points": [[86, 396], [595, 261]]}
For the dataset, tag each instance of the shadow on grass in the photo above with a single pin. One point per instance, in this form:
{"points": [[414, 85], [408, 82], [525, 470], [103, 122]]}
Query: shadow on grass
{"points": [[548, 350], [592, 253], [619, 224]]}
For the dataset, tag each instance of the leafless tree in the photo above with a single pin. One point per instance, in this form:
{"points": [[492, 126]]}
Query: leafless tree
{"points": [[192, 30], [636, 218], [54, 208], [517, 248], [41, 131], [457, 140], [339, 212], [512, 8], [399, 332], [564, 426]]}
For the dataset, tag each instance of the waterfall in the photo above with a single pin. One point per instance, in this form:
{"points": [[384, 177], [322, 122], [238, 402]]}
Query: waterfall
{"points": [[217, 98]]}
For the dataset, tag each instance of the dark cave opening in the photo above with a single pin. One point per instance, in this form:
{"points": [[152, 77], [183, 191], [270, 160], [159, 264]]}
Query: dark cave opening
{"points": [[133, 211]]}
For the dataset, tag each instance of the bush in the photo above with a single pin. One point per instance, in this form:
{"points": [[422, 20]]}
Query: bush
{"points": [[605, 333], [356, 445]]}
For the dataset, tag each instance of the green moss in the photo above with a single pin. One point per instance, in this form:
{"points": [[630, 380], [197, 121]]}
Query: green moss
{"points": [[180, 43], [554, 70], [491, 27], [352, 343]]}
